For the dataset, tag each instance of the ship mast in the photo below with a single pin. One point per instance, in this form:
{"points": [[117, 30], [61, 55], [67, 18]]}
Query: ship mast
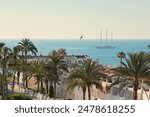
{"points": [[106, 38], [101, 37], [111, 36]]}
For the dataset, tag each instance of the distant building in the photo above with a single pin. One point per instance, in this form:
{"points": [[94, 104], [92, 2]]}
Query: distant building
{"points": [[71, 60], [35, 58], [74, 60]]}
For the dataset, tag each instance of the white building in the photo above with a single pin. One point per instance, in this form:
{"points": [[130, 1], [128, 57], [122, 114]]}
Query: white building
{"points": [[74, 60]]}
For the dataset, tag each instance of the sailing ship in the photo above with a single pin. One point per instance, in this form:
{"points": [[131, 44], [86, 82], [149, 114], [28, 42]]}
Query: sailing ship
{"points": [[106, 46]]}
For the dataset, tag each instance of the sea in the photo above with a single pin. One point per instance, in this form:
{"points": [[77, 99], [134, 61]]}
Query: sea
{"points": [[88, 47]]}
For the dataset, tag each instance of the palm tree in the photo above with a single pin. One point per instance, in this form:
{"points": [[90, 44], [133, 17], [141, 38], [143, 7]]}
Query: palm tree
{"points": [[57, 65], [14, 63], [93, 72], [4, 56], [19, 68], [1, 81], [62, 52], [86, 76], [78, 79], [37, 69], [121, 55], [26, 47], [2, 45], [49, 77], [137, 68]]}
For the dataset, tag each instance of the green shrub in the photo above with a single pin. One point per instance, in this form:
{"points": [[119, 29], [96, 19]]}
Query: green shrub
{"points": [[17, 97]]}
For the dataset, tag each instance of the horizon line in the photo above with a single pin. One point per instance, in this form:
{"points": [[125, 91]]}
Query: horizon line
{"points": [[72, 39]]}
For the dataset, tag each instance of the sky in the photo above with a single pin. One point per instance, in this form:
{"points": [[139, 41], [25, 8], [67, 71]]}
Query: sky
{"points": [[68, 19]]}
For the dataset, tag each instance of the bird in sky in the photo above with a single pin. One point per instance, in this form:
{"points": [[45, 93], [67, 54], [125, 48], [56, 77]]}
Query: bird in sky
{"points": [[81, 37]]}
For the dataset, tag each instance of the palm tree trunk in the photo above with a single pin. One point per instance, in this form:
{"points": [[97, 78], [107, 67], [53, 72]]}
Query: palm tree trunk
{"points": [[13, 83], [46, 83], [51, 91], [0, 84], [121, 61], [54, 90], [136, 84], [55, 77], [18, 76], [6, 85], [41, 85], [84, 90], [23, 81], [23, 70], [26, 82], [38, 86], [2, 87], [4, 79], [89, 92], [26, 79]]}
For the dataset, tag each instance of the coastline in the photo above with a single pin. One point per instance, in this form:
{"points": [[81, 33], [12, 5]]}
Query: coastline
{"points": [[88, 47]]}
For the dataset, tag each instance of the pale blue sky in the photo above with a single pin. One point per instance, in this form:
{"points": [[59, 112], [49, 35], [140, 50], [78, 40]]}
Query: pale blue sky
{"points": [[68, 19]]}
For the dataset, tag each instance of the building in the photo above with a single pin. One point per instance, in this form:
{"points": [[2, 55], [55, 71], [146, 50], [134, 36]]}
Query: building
{"points": [[74, 60]]}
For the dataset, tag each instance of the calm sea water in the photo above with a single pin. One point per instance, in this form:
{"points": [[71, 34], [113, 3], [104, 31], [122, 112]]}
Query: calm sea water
{"points": [[88, 47]]}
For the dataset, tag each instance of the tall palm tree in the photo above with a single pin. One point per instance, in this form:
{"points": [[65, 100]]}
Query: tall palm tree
{"points": [[121, 55], [4, 56], [91, 73], [137, 68], [49, 77], [19, 68], [57, 65], [26, 47], [1, 81], [78, 79], [37, 68], [14, 62]]}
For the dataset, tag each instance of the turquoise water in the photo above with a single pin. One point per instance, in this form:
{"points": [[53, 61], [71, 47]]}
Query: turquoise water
{"points": [[88, 47]]}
